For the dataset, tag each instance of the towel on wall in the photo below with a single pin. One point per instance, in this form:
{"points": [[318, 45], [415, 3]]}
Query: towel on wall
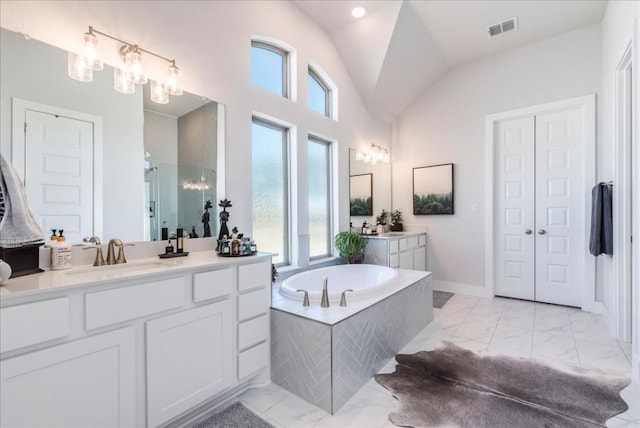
{"points": [[18, 227], [601, 239]]}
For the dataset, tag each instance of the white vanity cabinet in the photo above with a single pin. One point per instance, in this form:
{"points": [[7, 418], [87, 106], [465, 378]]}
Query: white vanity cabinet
{"points": [[398, 250], [84, 383], [143, 351], [189, 359]]}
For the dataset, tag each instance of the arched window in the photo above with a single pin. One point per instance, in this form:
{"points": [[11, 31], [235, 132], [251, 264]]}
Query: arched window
{"points": [[269, 68], [318, 94]]}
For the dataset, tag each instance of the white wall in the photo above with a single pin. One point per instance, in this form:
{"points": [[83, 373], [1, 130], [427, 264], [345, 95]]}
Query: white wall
{"points": [[618, 26], [210, 41], [446, 124]]}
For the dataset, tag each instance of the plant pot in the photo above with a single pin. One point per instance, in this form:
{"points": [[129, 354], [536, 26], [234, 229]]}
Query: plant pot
{"points": [[397, 227], [356, 260]]}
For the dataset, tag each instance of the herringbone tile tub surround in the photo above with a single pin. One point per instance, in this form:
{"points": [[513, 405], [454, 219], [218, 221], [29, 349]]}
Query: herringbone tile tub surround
{"points": [[327, 363]]}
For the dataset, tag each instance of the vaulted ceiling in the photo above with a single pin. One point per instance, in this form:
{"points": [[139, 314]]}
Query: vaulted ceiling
{"points": [[400, 48]]}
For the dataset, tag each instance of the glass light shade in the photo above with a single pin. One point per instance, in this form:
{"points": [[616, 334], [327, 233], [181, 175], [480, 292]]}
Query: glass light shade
{"points": [[158, 94], [135, 70], [122, 83], [90, 52], [172, 85], [77, 68]]}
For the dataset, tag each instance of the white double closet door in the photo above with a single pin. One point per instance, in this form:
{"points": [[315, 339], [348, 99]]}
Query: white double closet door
{"points": [[541, 191]]}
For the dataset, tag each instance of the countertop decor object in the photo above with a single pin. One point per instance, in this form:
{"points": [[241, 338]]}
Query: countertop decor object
{"points": [[172, 255]]}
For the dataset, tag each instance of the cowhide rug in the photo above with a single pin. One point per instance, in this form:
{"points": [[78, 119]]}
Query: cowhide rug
{"points": [[454, 387]]}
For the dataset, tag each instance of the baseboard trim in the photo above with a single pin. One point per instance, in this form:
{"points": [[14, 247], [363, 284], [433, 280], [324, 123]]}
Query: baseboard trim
{"points": [[596, 308], [460, 288]]}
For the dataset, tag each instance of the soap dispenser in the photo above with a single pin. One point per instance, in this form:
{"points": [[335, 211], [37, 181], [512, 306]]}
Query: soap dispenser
{"points": [[61, 256]]}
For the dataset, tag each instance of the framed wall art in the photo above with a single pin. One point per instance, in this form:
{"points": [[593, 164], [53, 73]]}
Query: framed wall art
{"points": [[360, 195], [433, 189]]}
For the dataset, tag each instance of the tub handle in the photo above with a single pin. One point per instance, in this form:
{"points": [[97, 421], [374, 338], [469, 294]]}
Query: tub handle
{"points": [[305, 301], [343, 299]]}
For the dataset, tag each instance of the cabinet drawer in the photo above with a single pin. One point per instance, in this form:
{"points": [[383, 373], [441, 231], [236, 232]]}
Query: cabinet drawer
{"points": [[126, 303], [209, 285], [253, 360], [402, 244], [253, 331], [254, 275], [412, 242], [393, 260], [253, 304], [32, 323], [422, 240], [393, 246]]}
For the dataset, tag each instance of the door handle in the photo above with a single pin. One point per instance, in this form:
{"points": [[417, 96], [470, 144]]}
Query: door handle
{"points": [[528, 232], [542, 232]]}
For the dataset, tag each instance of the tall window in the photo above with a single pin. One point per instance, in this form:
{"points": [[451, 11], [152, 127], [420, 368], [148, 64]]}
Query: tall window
{"points": [[319, 94], [320, 229], [270, 189], [269, 68]]}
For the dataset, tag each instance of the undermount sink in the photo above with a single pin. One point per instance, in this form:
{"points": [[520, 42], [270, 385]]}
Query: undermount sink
{"points": [[114, 271]]}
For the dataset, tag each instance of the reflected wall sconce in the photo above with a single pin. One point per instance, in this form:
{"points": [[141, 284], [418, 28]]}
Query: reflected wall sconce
{"points": [[82, 65], [375, 154]]}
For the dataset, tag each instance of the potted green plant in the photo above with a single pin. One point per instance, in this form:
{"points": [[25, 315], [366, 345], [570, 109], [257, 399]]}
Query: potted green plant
{"points": [[396, 221], [382, 218], [350, 246], [382, 222]]}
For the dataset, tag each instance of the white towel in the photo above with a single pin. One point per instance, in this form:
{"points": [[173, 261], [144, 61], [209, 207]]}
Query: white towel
{"points": [[18, 227]]}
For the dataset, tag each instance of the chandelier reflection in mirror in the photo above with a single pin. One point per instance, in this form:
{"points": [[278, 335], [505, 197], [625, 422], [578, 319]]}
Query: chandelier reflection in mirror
{"points": [[203, 184], [375, 154], [81, 67]]}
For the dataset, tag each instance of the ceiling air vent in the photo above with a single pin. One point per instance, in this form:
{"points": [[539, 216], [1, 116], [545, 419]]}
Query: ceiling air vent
{"points": [[503, 27]]}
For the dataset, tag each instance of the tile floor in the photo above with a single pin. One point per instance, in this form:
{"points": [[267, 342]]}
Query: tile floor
{"points": [[504, 326]]}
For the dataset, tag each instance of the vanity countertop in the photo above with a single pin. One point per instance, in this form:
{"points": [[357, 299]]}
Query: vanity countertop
{"points": [[393, 235], [86, 275]]}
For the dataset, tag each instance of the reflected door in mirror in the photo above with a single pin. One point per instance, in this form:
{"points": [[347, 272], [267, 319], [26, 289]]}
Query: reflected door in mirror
{"points": [[59, 173]]}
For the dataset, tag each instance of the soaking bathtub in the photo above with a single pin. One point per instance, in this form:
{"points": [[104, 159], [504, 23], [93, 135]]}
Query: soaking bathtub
{"points": [[325, 355], [366, 281]]}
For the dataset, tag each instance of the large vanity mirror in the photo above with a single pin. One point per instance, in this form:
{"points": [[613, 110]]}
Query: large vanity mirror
{"points": [[98, 162], [367, 180]]}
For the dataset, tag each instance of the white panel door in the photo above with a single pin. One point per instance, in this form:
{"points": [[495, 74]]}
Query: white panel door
{"points": [[59, 173], [189, 359], [515, 144], [541, 230], [560, 202], [85, 383]]}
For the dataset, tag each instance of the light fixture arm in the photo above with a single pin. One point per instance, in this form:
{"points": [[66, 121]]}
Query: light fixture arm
{"points": [[131, 45]]}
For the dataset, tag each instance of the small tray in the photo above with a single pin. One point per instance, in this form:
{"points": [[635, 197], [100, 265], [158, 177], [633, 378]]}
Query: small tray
{"points": [[171, 255], [369, 234], [239, 255]]}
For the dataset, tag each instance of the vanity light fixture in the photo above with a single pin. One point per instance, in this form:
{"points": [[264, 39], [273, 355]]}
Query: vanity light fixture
{"points": [[81, 67], [375, 154]]}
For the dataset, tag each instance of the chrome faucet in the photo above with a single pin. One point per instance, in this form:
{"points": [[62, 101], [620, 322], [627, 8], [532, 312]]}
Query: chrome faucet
{"points": [[99, 260], [324, 303]]}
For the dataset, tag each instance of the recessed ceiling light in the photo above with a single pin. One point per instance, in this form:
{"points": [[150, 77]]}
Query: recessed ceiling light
{"points": [[358, 12]]}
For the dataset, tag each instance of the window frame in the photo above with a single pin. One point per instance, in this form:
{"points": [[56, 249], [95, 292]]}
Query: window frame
{"points": [[329, 147], [285, 64], [327, 92], [286, 141]]}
